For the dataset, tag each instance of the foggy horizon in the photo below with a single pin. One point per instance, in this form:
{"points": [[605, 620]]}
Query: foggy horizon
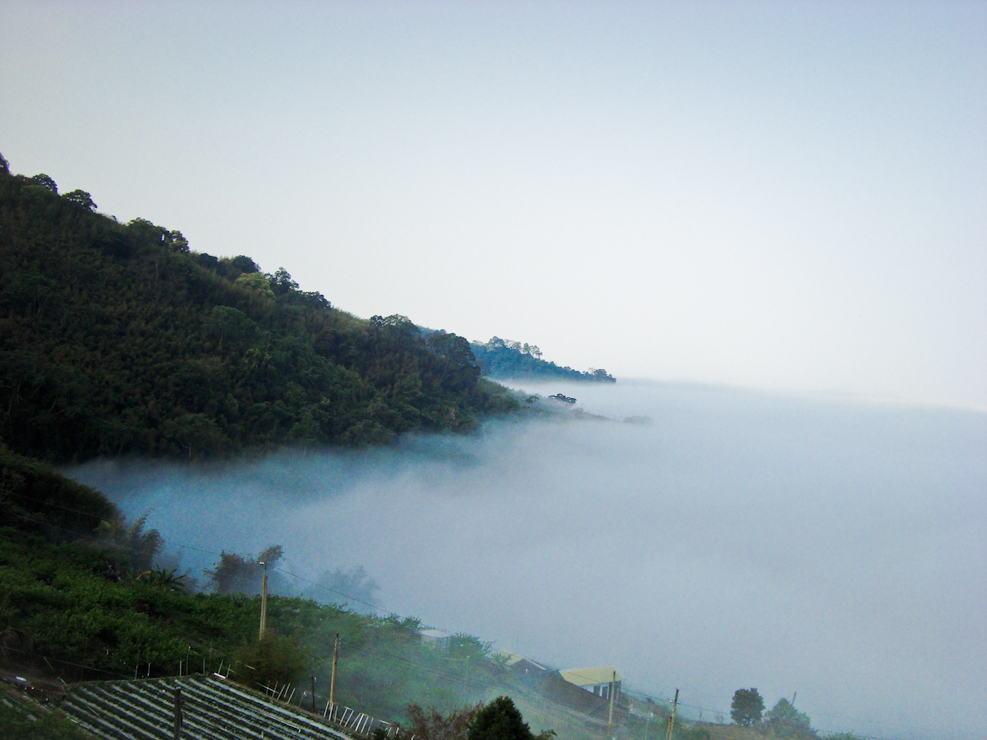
{"points": [[831, 548]]}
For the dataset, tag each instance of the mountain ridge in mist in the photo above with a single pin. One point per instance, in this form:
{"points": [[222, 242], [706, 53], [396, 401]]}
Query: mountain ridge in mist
{"points": [[119, 339]]}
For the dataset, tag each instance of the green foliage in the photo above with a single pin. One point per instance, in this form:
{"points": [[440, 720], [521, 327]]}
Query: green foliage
{"points": [[22, 722], [131, 544], [430, 724], [784, 720], [503, 358], [686, 731], [467, 647], [12, 636], [746, 707], [255, 283], [80, 198], [46, 182], [35, 498], [500, 720], [236, 574], [118, 339], [271, 660], [166, 578]]}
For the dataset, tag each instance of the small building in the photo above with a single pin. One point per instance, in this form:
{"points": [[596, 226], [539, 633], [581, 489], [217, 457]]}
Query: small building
{"points": [[436, 639], [595, 680]]}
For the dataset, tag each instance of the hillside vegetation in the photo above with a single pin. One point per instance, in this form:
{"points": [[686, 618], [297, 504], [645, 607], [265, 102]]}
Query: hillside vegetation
{"points": [[503, 358], [119, 339]]}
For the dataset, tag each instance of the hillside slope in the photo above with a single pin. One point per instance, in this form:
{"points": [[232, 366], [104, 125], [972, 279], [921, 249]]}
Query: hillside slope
{"points": [[118, 339], [503, 358]]}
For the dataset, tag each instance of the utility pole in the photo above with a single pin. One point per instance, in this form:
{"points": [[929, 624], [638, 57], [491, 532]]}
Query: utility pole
{"points": [[313, 694], [332, 681], [613, 684], [263, 603], [671, 720]]}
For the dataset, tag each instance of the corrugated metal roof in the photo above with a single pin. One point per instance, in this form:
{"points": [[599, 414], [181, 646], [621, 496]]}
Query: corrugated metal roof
{"points": [[591, 676], [145, 710]]}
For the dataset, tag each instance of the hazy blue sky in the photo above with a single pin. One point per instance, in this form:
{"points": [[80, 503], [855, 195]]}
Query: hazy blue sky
{"points": [[783, 195]]}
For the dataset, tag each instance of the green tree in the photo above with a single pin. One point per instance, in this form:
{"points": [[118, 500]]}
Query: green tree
{"points": [[132, 544], [430, 724], [501, 720], [270, 660], [256, 283], [46, 182], [784, 720], [746, 707], [80, 198], [237, 574]]}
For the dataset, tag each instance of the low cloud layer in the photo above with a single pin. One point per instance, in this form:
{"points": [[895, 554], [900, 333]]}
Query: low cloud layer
{"points": [[831, 548]]}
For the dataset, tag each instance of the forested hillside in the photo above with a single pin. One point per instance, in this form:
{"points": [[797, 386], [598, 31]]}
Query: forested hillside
{"points": [[502, 358], [118, 338]]}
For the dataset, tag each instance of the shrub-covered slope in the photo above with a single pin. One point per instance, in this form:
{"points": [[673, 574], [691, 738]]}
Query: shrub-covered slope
{"points": [[119, 339], [502, 358]]}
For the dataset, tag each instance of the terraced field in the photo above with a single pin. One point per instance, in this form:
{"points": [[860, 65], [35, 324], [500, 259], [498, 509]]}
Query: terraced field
{"points": [[213, 709]]}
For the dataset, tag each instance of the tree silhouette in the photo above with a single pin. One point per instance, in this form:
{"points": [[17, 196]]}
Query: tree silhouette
{"points": [[499, 720], [746, 707]]}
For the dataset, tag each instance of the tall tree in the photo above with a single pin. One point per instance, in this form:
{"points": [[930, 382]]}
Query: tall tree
{"points": [[746, 707], [499, 720], [784, 720]]}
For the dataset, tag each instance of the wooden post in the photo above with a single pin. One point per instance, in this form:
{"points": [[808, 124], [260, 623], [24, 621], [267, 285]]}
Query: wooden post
{"points": [[332, 681], [263, 603], [671, 720], [613, 685], [178, 714]]}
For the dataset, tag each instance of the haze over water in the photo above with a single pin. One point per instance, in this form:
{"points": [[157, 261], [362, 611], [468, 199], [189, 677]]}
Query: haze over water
{"points": [[827, 546]]}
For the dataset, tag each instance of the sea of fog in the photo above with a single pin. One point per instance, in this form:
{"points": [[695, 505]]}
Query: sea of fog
{"points": [[831, 547]]}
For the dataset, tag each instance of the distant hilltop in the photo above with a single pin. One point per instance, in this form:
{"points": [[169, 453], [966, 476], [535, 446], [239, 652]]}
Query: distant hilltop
{"points": [[504, 358]]}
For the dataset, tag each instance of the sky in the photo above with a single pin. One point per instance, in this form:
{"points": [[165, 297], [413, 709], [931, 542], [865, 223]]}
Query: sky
{"points": [[783, 196], [827, 547]]}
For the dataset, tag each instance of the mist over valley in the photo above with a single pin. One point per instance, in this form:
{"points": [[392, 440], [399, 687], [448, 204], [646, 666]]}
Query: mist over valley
{"points": [[258, 264], [831, 547]]}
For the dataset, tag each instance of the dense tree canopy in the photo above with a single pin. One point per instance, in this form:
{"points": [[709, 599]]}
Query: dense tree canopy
{"points": [[118, 339]]}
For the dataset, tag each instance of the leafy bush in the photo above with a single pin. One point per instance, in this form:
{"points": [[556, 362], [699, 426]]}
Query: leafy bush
{"points": [[44, 725], [271, 660]]}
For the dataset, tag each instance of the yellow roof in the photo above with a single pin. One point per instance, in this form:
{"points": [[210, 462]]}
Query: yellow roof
{"points": [[591, 676]]}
